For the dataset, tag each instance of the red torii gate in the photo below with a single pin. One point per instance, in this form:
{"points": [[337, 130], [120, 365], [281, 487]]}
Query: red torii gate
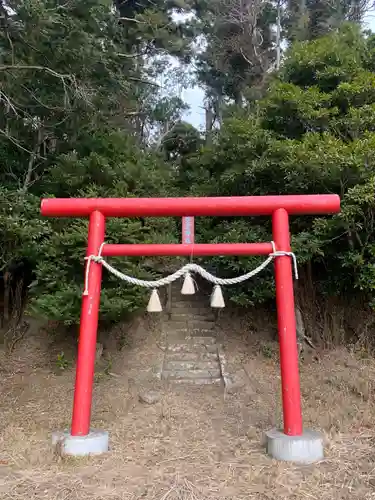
{"points": [[279, 207]]}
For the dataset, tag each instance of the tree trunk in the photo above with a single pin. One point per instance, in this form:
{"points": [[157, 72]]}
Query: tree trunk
{"points": [[209, 123], [278, 36]]}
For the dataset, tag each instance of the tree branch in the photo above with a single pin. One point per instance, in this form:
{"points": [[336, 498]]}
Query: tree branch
{"points": [[146, 82], [132, 20], [24, 67], [30, 165], [246, 58], [159, 142], [129, 56], [10, 106], [41, 102], [12, 139]]}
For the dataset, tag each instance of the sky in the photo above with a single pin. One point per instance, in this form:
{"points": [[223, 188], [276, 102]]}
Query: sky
{"points": [[194, 96]]}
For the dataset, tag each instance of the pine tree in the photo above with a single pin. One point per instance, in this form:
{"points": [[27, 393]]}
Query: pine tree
{"points": [[310, 19]]}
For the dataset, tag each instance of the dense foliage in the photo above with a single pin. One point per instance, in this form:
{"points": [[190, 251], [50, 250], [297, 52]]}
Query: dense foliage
{"points": [[82, 115], [312, 133], [69, 127]]}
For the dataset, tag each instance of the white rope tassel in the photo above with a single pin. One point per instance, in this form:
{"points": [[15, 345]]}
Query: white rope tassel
{"points": [[292, 256], [217, 299], [87, 271], [154, 304], [188, 288], [89, 259]]}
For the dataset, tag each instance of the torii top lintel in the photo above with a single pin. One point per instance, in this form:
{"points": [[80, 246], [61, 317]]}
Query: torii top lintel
{"points": [[180, 207]]}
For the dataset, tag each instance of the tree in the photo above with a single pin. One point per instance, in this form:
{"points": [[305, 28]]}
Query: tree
{"points": [[312, 133], [181, 142], [69, 95], [309, 19], [58, 63], [106, 164], [151, 28], [243, 40], [239, 48]]}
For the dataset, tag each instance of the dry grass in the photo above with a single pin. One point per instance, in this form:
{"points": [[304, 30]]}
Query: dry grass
{"points": [[196, 443]]}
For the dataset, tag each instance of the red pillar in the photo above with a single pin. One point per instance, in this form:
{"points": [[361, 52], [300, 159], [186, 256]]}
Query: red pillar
{"points": [[88, 331], [291, 395]]}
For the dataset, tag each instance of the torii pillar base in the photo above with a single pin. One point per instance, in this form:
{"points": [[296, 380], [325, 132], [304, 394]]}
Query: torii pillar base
{"points": [[304, 449], [94, 443]]}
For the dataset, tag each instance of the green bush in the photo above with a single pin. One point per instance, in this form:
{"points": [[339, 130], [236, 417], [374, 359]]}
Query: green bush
{"points": [[312, 133]]}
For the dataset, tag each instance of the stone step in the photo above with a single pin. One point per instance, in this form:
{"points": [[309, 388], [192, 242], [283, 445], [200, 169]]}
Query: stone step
{"points": [[201, 340], [180, 365], [177, 332], [189, 347], [198, 309], [201, 333], [192, 316], [191, 356], [199, 294], [185, 336], [177, 295], [203, 303], [196, 381], [191, 374], [190, 322], [188, 332], [212, 349], [173, 325], [204, 325]]}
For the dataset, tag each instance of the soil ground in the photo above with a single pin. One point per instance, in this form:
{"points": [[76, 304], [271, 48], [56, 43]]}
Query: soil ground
{"points": [[195, 443]]}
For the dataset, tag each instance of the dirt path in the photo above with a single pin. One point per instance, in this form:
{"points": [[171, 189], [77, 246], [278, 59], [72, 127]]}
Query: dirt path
{"points": [[196, 442]]}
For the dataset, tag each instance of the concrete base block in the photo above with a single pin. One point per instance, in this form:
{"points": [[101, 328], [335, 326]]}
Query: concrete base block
{"points": [[305, 449], [95, 443]]}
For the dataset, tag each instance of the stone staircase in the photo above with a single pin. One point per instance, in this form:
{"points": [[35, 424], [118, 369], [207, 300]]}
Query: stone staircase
{"points": [[191, 347]]}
